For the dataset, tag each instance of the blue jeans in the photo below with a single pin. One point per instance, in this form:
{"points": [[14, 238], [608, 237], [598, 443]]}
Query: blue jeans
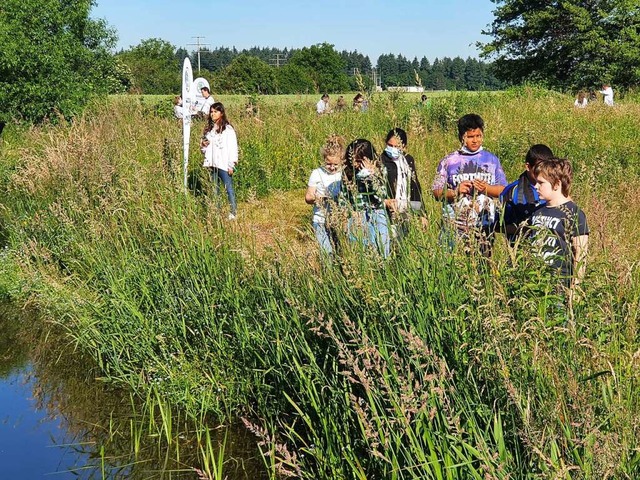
{"points": [[218, 174], [371, 227], [326, 238]]}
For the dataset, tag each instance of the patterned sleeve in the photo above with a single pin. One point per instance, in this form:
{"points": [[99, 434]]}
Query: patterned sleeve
{"points": [[232, 146], [501, 178], [440, 182]]}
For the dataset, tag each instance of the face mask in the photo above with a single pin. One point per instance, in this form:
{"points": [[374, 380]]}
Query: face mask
{"points": [[393, 152]]}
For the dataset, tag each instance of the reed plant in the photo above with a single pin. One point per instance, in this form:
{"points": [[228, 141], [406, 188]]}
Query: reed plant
{"points": [[428, 365]]}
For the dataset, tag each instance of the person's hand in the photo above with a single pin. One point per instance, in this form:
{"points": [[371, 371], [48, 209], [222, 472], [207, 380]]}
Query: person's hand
{"points": [[321, 199], [391, 204], [465, 187], [368, 164], [230, 171], [480, 186]]}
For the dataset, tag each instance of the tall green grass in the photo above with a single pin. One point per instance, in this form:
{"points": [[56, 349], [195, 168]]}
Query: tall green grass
{"points": [[429, 365]]}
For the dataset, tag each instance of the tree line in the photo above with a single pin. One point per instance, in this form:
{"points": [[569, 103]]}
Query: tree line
{"points": [[314, 69], [55, 57]]}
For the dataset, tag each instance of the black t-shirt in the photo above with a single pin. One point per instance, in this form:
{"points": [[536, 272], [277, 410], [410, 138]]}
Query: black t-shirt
{"points": [[552, 231]]}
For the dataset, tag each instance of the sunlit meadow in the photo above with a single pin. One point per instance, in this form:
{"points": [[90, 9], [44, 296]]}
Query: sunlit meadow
{"points": [[429, 365]]}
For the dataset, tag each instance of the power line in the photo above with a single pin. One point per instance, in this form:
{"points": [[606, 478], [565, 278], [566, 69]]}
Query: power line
{"points": [[280, 59], [198, 44]]}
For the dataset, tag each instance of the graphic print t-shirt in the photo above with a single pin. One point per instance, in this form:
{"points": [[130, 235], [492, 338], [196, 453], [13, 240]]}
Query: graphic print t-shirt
{"points": [[469, 211], [553, 229]]}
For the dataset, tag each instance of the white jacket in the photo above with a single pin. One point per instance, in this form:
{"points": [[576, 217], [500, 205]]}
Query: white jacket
{"points": [[222, 151], [608, 96]]}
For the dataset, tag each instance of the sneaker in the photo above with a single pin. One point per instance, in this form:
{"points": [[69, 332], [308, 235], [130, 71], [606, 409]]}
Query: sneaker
{"points": [[232, 216]]}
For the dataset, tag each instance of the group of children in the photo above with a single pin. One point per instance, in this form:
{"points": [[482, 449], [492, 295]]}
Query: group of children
{"points": [[374, 196], [583, 99], [360, 104]]}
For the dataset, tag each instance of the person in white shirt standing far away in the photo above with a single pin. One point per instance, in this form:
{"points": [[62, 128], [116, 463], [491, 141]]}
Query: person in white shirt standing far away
{"points": [[607, 93], [323, 105]]}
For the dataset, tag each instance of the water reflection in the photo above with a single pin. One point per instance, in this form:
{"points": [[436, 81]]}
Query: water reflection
{"points": [[57, 421]]}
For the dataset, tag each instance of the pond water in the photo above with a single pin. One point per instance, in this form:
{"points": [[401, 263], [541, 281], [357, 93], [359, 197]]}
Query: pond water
{"points": [[58, 422]]}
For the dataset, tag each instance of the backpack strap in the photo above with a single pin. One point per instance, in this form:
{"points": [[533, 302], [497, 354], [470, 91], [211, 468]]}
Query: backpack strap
{"points": [[529, 194]]}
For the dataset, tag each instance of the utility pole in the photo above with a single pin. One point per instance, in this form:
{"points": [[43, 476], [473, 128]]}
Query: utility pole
{"points": [[374, 77], [277, 61], [198, 44]]}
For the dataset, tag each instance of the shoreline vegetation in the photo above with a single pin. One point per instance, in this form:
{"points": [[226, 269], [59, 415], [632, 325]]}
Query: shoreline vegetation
{"points": [[428, 365]]}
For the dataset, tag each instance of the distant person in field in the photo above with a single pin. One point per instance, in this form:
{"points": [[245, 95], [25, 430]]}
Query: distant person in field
{"points": [[252, 110], [607, 94], [340, 104], [178, 111], [559, 229], [424, 101], [357, 102], [520, 199], [322, 192], [468, 182], [404, 193], [581, 100], [203, 110], [363, 193], [220, 147], [360, 103], [322, 106]]}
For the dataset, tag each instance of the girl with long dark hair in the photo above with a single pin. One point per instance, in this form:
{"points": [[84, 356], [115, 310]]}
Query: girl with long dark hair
{"points": [[220, 147]]}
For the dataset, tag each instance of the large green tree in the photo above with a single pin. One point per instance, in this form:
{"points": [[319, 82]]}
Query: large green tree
{"points": [[154, 65], [246, 74], [294, 79], [324, 65], [53, 57], [566, 43]]}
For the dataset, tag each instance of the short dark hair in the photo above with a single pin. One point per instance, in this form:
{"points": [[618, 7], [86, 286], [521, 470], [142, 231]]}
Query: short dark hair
{"points": [[206, 89], [470, 121], [536, 153], [325, 95], [397, 132]]}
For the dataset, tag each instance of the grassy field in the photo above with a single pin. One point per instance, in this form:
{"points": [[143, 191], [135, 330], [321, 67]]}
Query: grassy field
{"points": [[428, 365]]}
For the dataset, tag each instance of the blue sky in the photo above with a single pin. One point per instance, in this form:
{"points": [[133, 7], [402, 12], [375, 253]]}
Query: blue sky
{"points": [[414, 28]]}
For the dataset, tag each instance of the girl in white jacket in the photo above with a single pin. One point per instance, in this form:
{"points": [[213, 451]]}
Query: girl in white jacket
{"points": [[220, 147]]}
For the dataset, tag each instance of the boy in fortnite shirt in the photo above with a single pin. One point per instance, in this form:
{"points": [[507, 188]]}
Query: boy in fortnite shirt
{"points": [[468, 181], [559, 228]]}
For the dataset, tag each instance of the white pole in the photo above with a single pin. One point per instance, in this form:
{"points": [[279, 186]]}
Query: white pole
{"points": [[187, 97]]}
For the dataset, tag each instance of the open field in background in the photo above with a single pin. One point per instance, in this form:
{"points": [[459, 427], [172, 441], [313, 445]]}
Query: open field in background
{"points": [[291, 99], [426, 366]]}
